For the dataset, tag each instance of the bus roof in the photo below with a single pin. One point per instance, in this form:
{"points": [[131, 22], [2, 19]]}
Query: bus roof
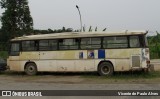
{"points": [[77, 35]]}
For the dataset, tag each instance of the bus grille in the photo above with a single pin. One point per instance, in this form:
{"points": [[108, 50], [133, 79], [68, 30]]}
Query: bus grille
{"points": [[135, 61]]}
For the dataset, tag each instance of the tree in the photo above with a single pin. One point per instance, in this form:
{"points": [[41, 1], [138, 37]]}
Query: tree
{"points": [[90, 29], [16, 20], [63, 29], [96, 29], [50, 30]]}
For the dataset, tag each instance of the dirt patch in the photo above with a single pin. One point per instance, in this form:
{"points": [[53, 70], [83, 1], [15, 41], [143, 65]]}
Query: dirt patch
{"points": [[82, 78]]}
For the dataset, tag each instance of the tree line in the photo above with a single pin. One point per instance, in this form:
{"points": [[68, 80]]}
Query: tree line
{"points": [[154, 45]]}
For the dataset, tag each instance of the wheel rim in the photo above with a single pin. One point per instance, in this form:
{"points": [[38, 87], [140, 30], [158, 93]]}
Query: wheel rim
{"points": [[31, 69], [105, 70]]}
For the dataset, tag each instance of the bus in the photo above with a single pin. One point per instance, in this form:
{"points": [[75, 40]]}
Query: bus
{"points": [[103, 52]]}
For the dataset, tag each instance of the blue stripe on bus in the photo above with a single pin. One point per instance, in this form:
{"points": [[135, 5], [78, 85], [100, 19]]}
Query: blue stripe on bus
{"points": [[101, 54]]}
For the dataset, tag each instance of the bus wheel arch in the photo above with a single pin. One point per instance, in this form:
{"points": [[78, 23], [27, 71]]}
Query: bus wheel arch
{"points": [[30, 68], [105, 68]]}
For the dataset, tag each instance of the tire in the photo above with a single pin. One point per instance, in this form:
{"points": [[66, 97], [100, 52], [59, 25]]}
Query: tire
{"points": [[31, 69], [105, 69]]}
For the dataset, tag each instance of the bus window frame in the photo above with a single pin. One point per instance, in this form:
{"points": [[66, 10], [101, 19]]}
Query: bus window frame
{"points": [[79, 43]]}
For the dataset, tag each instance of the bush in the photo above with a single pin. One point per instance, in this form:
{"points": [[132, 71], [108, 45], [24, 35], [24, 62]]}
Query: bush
{"points": [[4, 54], [154, 52]]}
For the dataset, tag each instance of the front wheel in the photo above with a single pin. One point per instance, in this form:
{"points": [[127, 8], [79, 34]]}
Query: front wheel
{"points": [[31, 69], [105, 69]]}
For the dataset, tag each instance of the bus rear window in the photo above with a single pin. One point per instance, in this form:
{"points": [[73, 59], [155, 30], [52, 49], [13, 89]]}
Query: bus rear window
{"points": [[134, 41], [139, 41], [143, 40]]}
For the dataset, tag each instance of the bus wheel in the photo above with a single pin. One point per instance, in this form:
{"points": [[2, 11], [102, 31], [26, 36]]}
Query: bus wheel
{"points": [[105, 69], [31, 69]]}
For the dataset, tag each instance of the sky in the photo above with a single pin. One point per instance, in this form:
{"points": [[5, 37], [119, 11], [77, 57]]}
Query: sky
{"points": [[114, 15]]}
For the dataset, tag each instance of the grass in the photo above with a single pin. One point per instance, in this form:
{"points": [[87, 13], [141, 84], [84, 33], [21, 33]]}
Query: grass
{"points": [[127, 75], [87, 78], [125, 78], [117, 75]]}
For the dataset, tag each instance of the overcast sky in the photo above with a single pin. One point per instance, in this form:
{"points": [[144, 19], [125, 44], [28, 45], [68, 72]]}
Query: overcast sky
{"points": [[112, 14]]}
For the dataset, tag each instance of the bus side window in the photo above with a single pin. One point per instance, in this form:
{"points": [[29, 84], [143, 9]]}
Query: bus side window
{"points": [[15, 48], [85, 43], [134, 42], [67, 44], [90, 43], [29, 45], [53, 44], [44, 45], [115, 42]]}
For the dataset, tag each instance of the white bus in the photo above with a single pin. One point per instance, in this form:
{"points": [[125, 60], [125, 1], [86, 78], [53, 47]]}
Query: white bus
{"points": [[80, 52]]}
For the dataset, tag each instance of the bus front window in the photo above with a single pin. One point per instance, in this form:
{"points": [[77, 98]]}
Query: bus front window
{"points": [[14, 49]]}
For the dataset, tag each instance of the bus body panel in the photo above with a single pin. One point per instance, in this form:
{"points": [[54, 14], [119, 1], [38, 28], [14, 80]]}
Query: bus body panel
{"points": [[29, 55], [63, 61], [14, 63]]}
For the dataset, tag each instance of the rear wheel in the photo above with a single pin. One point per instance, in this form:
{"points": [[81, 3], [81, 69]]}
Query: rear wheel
{"points": [[31, 69], [105, 69]]}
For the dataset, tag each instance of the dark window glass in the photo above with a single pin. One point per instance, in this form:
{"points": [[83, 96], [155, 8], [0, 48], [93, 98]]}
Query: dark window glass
{"points": [[45, 45], [90, 43], [115, 42], [53, 44], [68, 44], [29, 46], [134, 41], [143, 41], [15, 48]]}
